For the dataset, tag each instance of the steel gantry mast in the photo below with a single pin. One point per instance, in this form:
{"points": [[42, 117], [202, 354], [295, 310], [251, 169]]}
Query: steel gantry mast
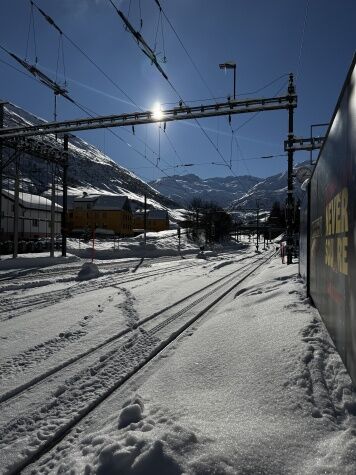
{"points": [[182, 112]]}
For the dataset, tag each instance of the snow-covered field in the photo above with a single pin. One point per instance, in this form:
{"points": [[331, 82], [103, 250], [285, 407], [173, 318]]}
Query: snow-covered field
{"points": [[130, 372]]}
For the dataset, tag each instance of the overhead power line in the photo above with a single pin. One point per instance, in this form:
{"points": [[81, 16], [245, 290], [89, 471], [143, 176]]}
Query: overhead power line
{"points": [[204, 82], [54, 25], [37, 73], [145, 48], [185, 50], [302, 38], [75, 45]]}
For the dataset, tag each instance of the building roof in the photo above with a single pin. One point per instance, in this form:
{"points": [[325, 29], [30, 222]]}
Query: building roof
{"points": [[105, 202], [158, 214], [29, 201], [152, 214]]}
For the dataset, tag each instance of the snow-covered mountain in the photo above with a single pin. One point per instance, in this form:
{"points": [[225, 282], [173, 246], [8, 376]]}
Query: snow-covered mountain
{"points": [[266, 192], [222, 191], [89, 169], [229, 192]]}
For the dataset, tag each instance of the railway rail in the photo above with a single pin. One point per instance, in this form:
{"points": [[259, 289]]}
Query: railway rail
{"points": [[16, 307]]}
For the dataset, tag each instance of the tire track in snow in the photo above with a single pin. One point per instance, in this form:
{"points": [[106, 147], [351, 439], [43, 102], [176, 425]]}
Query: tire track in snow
{"points": [[47, 426], [131, 313], [38, 353], [22, 305]]}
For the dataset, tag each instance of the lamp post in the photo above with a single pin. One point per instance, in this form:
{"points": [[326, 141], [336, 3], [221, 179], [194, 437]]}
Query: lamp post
{"points": [[230, 65]]}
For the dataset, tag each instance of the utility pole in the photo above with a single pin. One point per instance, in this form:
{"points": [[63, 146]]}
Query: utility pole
{"points": [[257, 223], [290, 199], [145, 220], [1, 167], [178, 233], [65, 201], [16, 209], [53, 205]]}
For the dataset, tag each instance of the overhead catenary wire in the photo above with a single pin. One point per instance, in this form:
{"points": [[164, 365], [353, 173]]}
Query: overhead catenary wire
{"points": [[38, 74], [54, 25], [172, 145], [242, 94], [185, 49], [83, 109], [147, 50], [31, 26], [210, 140], [87, 111], [126, 143], [144, 47], [302, 38], [261, 157], [202, 78], [75, 45], [256, 113]]}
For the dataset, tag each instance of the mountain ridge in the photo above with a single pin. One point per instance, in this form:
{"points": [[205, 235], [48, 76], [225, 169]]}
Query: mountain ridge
{"points": [[228, 192]]}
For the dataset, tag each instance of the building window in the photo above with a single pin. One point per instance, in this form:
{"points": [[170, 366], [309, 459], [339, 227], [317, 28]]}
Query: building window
{"points": [[35, 223]]}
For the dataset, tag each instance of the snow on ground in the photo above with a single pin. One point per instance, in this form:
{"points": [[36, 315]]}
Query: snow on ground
{"points": [[33, 260], [255, 388], [163, 243], [39, 324], [48, 328]]}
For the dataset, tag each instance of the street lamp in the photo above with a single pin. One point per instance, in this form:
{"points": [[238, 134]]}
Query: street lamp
{"points": [[230, 65]]}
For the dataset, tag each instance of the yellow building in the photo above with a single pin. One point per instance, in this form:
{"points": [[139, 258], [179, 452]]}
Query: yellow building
{"points": [[106, 214], [157, 220]]}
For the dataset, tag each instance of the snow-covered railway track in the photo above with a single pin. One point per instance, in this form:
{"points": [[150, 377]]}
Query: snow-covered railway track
{"points": [[212, 287], [28, 275], [14, 307], [83, 392]]}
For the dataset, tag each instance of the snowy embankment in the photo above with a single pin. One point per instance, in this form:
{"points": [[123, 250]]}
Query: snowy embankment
{"points": [[163, 243], [255, 388]]}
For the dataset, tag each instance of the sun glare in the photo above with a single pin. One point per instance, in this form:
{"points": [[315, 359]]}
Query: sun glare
{"points": [[157, 111]]}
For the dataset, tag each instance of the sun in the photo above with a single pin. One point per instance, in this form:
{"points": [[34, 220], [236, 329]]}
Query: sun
{"points": [[157, 111]]}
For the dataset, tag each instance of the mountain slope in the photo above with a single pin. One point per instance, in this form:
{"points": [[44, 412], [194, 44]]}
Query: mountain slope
{"points": [[89, 169], [229, 192], [223, 191], [267, 191]]}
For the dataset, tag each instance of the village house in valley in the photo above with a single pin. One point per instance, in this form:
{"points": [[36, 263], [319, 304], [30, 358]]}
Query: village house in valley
{"points": [[156, 220], [106, 214], [34, 216]]}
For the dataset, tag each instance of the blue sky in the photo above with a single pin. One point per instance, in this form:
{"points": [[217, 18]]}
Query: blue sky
{"points": [[314, 39]]}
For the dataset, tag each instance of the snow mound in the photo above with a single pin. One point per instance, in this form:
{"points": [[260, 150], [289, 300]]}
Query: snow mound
{"points": [[221, 264], [143, 443], [129, 414], [88, 271], [205, 254]]}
